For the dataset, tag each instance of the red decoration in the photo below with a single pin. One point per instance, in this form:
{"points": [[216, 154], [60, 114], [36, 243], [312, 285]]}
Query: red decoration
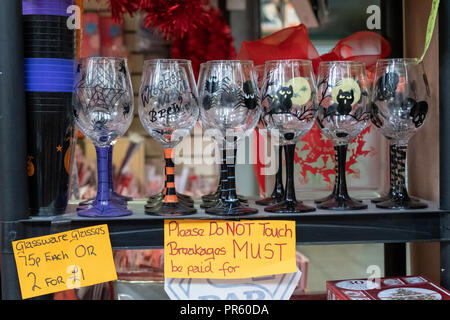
{"points": [[120, 7], [198, 32], [212, 41], [174, 17]]}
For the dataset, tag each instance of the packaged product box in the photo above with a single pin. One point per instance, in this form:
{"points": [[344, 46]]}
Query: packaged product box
{"points": [[398, 288]]}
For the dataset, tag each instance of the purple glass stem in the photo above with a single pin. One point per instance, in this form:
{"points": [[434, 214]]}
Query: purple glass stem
{"points": [[103, 188], [110, 168]]}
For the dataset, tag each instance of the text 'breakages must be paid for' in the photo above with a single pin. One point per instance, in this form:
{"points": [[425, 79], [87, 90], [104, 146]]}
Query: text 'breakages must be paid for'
{"points": [[221, 249]]}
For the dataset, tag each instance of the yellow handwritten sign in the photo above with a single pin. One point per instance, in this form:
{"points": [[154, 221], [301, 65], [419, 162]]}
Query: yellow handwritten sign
{"points": [[228, 249], [63, 261]]}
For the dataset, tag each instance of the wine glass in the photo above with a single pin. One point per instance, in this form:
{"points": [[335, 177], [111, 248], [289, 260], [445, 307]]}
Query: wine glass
{"points": [[343, 114], [229, 107], [103, 109], [168, 110], [290, 109], [399, 109], [278, 190]]}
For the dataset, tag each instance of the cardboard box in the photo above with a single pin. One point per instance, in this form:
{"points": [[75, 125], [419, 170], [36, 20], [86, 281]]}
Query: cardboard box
{"points": [[399, 288]]}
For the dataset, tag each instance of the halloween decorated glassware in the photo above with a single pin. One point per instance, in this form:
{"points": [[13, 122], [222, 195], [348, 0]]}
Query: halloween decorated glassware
{"points": [[278, 190], [289, 101], [218, 197], [399, 109], [230, 108], [343, 114], [103, 110], [168, 110]]}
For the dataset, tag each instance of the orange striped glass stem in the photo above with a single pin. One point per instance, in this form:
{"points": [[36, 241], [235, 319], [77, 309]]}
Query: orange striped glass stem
{"points": [[170, 195]]}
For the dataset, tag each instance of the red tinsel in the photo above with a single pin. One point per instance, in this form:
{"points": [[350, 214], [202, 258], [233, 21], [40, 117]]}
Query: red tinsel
{"points": [[198, 32], [174, 18], [211, 41], [120, 7]]}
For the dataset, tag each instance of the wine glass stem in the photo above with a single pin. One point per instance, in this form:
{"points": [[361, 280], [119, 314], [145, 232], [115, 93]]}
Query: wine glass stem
{"points": [[170, 194], [290, 188], [103, 185], [401, 190], [393, 168], [110, 168], [336, 169], [231, 171], [342, 191], [278, 190], [224, 176]]}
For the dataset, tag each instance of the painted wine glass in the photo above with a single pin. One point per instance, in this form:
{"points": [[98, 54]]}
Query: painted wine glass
{"points": [[343, 114], [399, 109], [278, 190], [103, 108], [168, 110], [289, 111], [229, 107]]}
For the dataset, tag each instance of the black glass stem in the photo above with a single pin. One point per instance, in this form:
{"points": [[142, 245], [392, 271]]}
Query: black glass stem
{"points": [[289, 203], [342, 200], [218, 198], [278, 190], [392, 175], [401, 200], [230, 204]]}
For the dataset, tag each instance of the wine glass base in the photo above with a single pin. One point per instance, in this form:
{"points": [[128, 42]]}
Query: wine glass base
{"points": [[289, 207], [110, 210], [115, 195], [220, 203], [339, 204], [160, 197], [154, 203], [327, 198], [406, 204], [91, 203], [269, 201], [382, 199], [227, 210], [170, 210]]}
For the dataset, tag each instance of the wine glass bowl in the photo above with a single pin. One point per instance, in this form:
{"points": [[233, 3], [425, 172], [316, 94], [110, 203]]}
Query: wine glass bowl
{"points": [[289, 99]]}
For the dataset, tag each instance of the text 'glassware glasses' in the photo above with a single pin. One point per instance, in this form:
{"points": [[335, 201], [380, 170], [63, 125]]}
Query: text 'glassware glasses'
{"points": [[399, 109], [103, 110], [230, 110], [343, 114], [289, 111], [168, 109]]}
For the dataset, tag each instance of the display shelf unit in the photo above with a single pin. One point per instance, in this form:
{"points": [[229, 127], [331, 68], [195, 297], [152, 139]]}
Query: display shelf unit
{"points": [[141, 231]]}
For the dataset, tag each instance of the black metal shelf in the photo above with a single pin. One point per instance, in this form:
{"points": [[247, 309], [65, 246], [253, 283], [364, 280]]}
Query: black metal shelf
{"points": [[141, 231]]}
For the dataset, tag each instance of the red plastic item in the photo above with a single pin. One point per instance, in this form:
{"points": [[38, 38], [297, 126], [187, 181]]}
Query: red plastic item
{"points": [[399, 288]]}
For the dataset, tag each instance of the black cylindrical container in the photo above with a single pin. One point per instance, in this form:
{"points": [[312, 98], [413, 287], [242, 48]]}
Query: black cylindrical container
{"points": [[50, 151], [49, 51]]}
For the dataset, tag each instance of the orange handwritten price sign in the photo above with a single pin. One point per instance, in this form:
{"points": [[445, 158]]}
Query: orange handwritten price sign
{"points": [[62, 261], [223, 249]]}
